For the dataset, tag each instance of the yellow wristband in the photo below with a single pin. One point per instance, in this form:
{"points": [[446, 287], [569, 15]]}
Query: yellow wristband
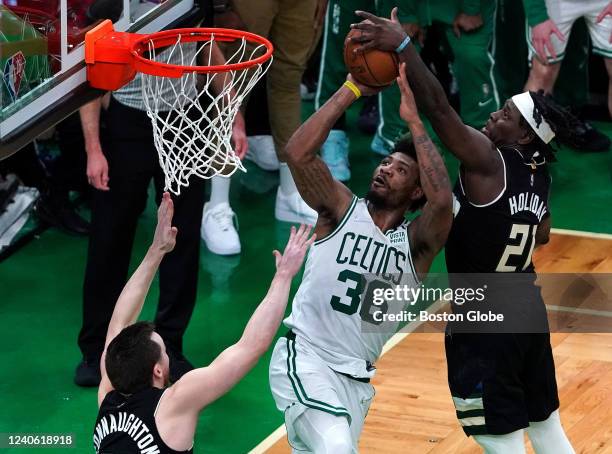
{"points": [[354, 88]]}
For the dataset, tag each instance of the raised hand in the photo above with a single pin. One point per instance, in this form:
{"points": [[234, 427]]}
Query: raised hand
{"points": [[165, 235], [365, 90], [607, 11], [291, 260], [408, 109], [541, 39], [378, 32]]}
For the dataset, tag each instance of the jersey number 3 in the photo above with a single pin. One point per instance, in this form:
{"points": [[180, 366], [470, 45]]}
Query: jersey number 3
{"points": [[527, 235], [355, 290]]}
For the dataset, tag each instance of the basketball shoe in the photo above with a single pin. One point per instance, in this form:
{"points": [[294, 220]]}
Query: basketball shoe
{"points": [[292, 208], [218, 231], [262, 152]]}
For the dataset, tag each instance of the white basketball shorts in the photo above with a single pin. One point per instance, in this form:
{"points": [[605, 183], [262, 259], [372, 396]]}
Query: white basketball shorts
{"points": [[300, 380], [564, 13]]}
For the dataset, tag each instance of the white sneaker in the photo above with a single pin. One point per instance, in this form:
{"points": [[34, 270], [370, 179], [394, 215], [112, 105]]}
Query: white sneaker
{"points": [[262, 152], [292, 208], [218, 231]]}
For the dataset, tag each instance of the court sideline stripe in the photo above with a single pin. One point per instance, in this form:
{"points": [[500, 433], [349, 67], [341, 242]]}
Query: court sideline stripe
{"points": [[281, 431], [603, 236], [579, 310]]}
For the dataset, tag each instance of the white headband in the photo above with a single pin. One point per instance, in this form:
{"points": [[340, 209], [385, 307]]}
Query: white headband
{"points": [[524, 103]]}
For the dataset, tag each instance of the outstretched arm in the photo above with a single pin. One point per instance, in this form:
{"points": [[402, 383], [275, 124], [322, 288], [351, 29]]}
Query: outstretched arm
{"points": [[429, 231], [198, 388], [132, 297], [475, 151], [328, 197]]}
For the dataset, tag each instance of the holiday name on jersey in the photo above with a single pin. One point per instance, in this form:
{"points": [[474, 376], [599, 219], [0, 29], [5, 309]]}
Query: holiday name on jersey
{"points": [[527, 201], [131, 425]]}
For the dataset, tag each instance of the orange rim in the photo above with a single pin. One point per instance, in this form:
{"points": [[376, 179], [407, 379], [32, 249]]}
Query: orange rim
{"points": [[188, 35]]}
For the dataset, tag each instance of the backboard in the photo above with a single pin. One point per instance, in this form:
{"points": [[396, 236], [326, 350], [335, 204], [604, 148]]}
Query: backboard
{"points": [[42, 56]]}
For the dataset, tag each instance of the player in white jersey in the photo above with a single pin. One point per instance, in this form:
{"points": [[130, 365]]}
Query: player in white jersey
{"points": [[320, 372]]}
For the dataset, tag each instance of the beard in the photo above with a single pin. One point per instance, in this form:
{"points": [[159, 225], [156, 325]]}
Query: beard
{"points": [[378, 201]]}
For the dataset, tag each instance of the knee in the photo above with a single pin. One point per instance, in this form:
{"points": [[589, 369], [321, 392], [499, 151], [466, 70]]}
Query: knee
{"points": [[545, 74], [338, 444]]}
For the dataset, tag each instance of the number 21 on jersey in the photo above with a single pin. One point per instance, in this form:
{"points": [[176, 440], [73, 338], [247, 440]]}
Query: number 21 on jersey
{"points": [[526, 235]]}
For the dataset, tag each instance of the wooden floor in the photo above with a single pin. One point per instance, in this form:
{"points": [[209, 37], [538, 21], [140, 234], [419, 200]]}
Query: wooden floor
{"points": [[413, 411]]}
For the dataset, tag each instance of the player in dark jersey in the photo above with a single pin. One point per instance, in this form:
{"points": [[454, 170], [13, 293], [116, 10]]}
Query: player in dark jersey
{"points": [[139, 412], [500, 383]]}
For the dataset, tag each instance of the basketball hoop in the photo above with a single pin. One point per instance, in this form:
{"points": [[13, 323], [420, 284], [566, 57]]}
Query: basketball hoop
{"points": [[192, 106]]}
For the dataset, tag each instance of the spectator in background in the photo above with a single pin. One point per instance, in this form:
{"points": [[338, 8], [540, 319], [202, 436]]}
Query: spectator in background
{"points": [[54, 206], [550, 24], [469, 29], [121, 169], [291, 26], [340, 15]]}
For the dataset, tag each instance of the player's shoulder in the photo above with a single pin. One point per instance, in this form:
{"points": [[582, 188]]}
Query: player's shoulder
{"points": [[328, 227]]}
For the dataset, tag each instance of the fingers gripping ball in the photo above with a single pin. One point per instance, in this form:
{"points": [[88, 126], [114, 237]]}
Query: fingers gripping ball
{"points": [[373, 67]]}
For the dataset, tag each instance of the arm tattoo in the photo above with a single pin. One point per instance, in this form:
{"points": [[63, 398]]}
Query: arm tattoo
{"points": [[431, 167], [314, 182]]}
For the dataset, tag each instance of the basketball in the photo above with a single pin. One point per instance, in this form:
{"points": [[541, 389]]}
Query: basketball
{"points": [[375, 68]]}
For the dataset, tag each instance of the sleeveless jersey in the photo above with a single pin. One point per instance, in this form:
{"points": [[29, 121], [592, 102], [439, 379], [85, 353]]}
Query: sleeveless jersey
{"points": [[500, 236], [126, 425], [333, 305]]}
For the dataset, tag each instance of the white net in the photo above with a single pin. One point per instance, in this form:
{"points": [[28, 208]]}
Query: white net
{"points": [[193, 115]]}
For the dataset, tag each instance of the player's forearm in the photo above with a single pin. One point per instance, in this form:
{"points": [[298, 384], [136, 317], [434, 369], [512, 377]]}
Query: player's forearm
{"points": [[90, 123], [432, 171], [266, 319], [133, 295], [428, 92], [309, 137]]}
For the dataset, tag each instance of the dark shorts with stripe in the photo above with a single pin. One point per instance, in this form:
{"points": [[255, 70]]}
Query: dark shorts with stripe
{"points": [[501, 382]]}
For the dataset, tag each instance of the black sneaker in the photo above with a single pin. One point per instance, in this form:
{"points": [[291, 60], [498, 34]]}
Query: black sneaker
{"points": [[581, 136], [62, 216], [179, 365], [87, 373]]}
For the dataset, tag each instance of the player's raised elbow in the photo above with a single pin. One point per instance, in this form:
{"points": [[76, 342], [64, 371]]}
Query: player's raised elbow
{"points": [[442, 212], [294, 154], [441, 202]]}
